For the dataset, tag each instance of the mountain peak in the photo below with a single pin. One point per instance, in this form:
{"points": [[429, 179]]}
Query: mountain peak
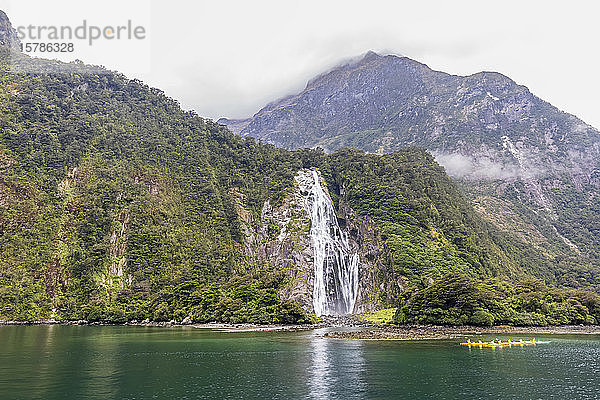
{"points": [[371, 55], [8, 34]]}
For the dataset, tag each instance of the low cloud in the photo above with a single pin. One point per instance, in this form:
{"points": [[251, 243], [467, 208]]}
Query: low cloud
{"points": [[472, 167]]}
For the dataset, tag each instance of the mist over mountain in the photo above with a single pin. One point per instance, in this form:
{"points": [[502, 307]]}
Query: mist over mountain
{"points": [[527, 166]]}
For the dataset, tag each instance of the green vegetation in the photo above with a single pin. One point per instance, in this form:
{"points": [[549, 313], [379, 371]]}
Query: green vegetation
{"points": [[458, 300], [385, 316], [541, 166], [112, 197], [117, 205], [244, 299], [430, 229]]}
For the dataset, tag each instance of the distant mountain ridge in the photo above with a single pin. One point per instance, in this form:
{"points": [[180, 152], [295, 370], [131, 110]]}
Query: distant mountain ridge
{"points": [[511, 150]]}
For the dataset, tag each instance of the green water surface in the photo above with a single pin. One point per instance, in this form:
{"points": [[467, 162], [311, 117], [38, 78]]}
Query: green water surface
{"points": [[93, 362]]}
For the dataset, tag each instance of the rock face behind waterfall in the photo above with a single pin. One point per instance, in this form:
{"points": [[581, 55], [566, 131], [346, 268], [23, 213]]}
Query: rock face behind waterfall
{"points": [[335, 261]]}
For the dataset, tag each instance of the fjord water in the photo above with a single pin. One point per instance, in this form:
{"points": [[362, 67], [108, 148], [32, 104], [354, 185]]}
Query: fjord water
{"points": [[92, 362]]}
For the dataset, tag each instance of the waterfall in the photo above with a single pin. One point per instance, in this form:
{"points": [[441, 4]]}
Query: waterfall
{"points": [[335, 266]]}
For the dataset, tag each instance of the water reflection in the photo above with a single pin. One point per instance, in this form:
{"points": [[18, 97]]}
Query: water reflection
{"points": [[336, 366], [320, 373], [102, 371], [69, 362]]}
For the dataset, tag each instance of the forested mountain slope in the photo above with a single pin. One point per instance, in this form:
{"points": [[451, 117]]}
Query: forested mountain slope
{"points": [[529, 168], [117, 205]]}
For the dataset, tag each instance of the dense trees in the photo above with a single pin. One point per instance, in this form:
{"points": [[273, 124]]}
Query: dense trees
{"points": [[112, 198], [116, 205], [430, 229], [455, 299]]}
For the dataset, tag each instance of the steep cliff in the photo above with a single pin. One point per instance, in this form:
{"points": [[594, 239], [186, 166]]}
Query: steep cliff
{"points": [[285, 239]]}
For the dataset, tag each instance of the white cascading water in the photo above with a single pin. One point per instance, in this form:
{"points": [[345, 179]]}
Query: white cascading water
{"points": [[336, 267]]}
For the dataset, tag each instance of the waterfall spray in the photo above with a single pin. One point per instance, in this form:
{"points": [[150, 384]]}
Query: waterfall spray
{"points": [[335, 266]]}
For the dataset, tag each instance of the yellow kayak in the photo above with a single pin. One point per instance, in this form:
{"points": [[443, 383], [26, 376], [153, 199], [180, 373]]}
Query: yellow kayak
{"points": [[498, 343]]}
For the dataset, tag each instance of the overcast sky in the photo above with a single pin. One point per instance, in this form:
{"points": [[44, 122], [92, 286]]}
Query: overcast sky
{"points": [[229, 58]]}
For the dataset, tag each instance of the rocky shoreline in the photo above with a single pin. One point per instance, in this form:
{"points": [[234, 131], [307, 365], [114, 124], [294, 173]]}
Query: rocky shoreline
{"points": [[326, 321], [428, 332], [219, 326], [350, 328]]}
